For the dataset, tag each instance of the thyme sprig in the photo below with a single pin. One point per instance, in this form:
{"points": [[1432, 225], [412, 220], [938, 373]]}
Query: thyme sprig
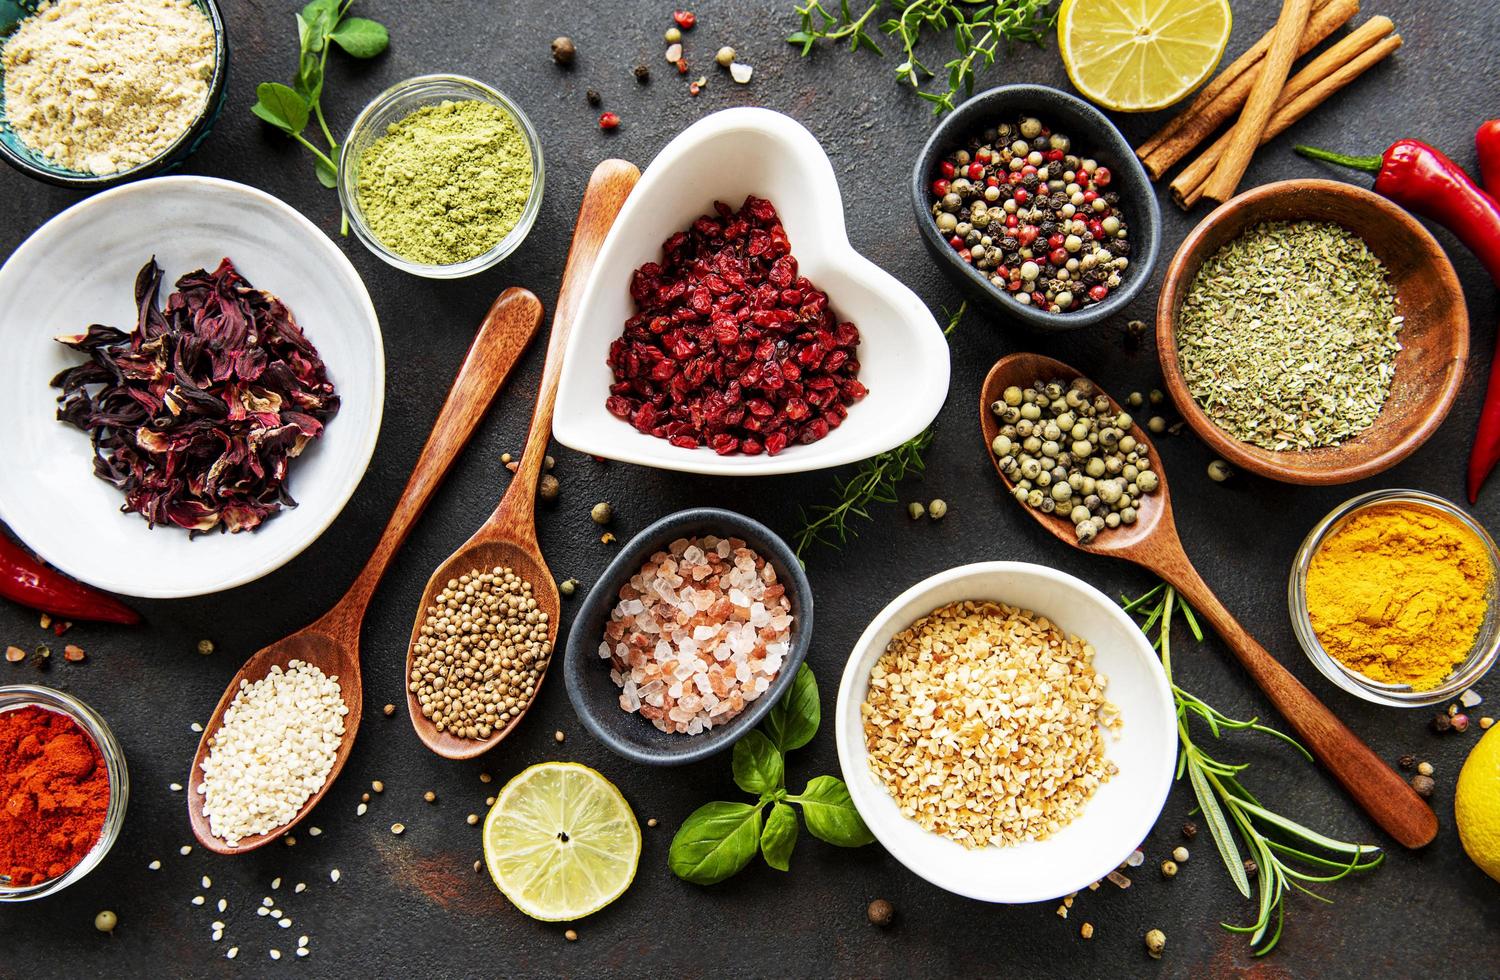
{"points": [[978, 29], [874, 483], [1284, 852]]}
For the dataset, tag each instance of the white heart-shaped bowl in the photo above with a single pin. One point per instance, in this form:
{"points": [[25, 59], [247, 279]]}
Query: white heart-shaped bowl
{"points": [[79, 268], [726, 157], [1122, 811]]}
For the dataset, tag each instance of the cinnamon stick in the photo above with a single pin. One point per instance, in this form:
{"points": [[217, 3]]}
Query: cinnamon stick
{"points": [[1220, 99], [1304, 92], [1244, 138]]}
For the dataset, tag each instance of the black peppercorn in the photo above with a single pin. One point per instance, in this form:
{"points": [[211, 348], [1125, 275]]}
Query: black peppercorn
{"points": [[881, 913], [1029, 181], [642, 74], [1190, 830], [1408, 761], [1441, 723], [1009, 244], [563, 51], [1048, 227], [593, 98]]}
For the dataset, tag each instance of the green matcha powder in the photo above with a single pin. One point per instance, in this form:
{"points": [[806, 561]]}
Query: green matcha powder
{"points": [[446, 183]]}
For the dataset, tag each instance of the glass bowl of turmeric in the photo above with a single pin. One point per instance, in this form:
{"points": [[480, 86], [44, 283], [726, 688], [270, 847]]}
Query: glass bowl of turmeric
{"points": [[1393, 598], [54, 746]]}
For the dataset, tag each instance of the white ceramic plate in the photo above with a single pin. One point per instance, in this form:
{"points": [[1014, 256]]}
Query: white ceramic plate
{"points": [[725, 157], [1120, 814], [79, 268]]}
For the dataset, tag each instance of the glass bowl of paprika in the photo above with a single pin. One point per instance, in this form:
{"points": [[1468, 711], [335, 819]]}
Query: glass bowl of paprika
{"points": [[53, 743], [1393, 597]]}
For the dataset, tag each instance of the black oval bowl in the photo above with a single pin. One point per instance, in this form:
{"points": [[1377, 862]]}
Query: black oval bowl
{"points": [[596, 698], [1093, 135], [34, 165]]}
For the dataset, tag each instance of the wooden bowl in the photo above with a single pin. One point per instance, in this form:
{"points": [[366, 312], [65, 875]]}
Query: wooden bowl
{"points": [[1434, 338]]}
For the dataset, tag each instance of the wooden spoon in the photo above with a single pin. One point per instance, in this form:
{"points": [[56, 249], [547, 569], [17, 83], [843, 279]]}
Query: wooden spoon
{"points": [[508, 538], [1152, 543], [332, 643]]}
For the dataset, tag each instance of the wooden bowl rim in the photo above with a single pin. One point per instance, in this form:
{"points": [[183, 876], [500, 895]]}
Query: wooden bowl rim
{"points": [[1347, 462]]}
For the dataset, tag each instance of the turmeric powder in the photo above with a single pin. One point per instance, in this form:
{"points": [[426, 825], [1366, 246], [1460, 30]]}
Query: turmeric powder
{"points": [[1399, 593]]}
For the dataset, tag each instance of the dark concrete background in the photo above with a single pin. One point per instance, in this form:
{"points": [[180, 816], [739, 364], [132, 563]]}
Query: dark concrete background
{"points": [[413, 903]]}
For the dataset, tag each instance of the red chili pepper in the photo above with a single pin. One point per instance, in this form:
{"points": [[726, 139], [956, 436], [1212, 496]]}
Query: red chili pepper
{"points": [[26, 580], [1424, 180], [1487, 142]]}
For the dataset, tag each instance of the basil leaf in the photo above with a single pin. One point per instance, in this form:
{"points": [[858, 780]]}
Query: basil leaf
{"points": [[830, 813], [715, 842], [282, 107], [779, 837], [758, 766], [794, 720], [361, 37], [327, 176]]}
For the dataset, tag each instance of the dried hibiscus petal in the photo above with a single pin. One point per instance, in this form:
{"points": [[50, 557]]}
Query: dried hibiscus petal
{"points": [[730, 347], [197, 413]]}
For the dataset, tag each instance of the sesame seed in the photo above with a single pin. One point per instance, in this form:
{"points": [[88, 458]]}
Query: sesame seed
{"points": [[232, 953], [275, 883], [262, 911], [303, 951], [285, 923], [315, 831], [334, 874], [207, 882], [301, 887], [198, 900], [398, 828], [196, 727], [223, 905], [185, 850], [154, 865], [302, 940], [175, 787], [268, 901], [362, 809], [275, 954]]}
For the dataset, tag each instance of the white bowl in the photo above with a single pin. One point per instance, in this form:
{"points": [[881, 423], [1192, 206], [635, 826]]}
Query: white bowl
{"points": [[1122, 811], [725, 157], [80, 268]]}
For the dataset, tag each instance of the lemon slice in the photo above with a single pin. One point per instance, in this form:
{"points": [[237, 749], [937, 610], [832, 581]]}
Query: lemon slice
{"points": [[1140, 55], [561, 842], [1476, 804]]}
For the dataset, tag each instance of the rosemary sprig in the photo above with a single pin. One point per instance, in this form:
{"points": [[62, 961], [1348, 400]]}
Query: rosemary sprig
{"points": [[977, 29], [874, 483], [1283, 851]]}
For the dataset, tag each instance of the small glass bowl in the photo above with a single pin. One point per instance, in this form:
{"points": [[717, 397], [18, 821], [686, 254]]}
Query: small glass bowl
{"points": [[395, 104], [24, 695], [1486, 645]]}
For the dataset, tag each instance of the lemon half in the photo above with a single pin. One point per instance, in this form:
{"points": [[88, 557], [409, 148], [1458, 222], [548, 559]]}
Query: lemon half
{"points": [[1140, 55], [561, 842]]}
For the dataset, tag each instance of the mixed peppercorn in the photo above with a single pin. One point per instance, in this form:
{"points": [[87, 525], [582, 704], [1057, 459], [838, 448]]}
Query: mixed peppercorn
{"points": [[1039, 221]]}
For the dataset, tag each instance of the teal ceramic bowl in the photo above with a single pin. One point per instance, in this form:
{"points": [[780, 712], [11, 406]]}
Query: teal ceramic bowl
{"points": [[33, 164]]}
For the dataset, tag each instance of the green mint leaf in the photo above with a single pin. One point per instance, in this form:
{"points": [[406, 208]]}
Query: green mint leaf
{"points": [[758, 766], [282, 107], [361, 37], [715, 842], [779, 837], [830, 813], [795, 719], [327, 176]]}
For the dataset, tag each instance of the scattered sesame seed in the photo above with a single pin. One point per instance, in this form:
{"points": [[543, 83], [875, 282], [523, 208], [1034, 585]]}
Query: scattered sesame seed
{"points": [[275, 883], [477, 866], [199, 900], [268, 901], [398, 828], [218, 927], [185, 850], [175, 787], [196, 727], [218, 935], [207, 882], [378, 786], [362, 809], [275, 954], [301, 887], [223, 905], [262, 911], [558, 736], [275, 913], [651, 822], [302, 940], [315, 831], [303, 951], [334, 874], [232, 953], [154, 865], [285, 923]]}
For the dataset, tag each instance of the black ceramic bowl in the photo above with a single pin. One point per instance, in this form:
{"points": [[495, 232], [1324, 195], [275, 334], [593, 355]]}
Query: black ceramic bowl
{"points": [[596, 698], [1094, 136], [33, 164]]}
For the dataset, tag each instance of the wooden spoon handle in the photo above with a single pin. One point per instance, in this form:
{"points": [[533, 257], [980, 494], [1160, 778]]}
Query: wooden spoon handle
{"points": [[502, 338], [609, 185], [1375, 786]]}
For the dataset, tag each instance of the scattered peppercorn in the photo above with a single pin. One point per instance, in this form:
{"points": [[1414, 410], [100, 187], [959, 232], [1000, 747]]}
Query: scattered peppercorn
{"points": [[571, 935], [1219, 471], [205, 647], [1441, 723], [609, 120], [568, 586], [593, 98], [1156, 397], [1156, 425], [1425, 768], [684, 19], [1169, 869], [1180, 854], [916, 510], [937, 510], [1460, 721], [1156, 942], [1423, 785], [642, 74], [1190, 830], [1407, 761], [548, 488], [602, 513], [472, 819], [563, 51], [389, 710], [106, 921], [725, 57], [881, 913], [1135, 330], [1135, 399], [673, 35]]}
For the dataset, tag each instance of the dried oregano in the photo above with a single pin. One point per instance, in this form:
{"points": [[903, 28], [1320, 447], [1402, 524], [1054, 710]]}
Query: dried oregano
{"points": [[1288, 336]]}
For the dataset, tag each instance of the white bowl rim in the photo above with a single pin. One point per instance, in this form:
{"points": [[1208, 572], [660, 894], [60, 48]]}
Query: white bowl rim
{"points": [[577, 399], [143, 589], [856, 777]]}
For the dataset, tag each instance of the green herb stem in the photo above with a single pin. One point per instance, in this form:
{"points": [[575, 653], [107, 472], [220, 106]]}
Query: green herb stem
{"points": [[1369, 164]]}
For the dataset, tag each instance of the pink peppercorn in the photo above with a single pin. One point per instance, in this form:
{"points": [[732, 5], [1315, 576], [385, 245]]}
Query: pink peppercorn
{"points": [[609, 120]]}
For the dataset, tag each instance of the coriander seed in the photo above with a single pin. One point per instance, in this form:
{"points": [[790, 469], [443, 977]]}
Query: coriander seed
{"points": [[1169, 869], [430, 796], [571, 935], [1190, 830], [1219, 471], [378, 786], [106, 921], [472, 819], [1156, 943], [938, 509], [725, 56], [389, 710], [548, 487], [205, 647], [602, 513]]}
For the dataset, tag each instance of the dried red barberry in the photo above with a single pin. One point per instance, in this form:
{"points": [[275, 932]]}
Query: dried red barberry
{"points": [[609, 120], [730, 347]]}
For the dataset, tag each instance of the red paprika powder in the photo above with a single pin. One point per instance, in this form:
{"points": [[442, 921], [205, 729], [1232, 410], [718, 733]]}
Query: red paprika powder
{"points": [[54, 792]]}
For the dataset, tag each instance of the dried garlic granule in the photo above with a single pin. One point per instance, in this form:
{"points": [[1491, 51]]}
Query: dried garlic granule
{"points": [[986, 724]]}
